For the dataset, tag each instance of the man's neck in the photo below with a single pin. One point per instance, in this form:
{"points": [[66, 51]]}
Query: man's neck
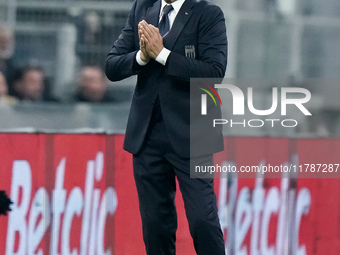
{"points": [[170, 1]]}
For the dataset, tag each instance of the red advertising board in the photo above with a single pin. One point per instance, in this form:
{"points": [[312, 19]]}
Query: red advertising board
{"points": [[75, 194]]}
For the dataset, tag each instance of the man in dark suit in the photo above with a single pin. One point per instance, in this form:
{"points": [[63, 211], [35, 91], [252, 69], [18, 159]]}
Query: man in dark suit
{"points": [[167, 42]]}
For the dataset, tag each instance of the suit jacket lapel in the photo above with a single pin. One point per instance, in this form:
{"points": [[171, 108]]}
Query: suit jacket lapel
{"points": [[182, 18], [152, 14]]}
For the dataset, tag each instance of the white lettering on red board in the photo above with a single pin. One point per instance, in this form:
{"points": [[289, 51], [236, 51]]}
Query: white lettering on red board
{"points": [[249, 211], [26, 228]]}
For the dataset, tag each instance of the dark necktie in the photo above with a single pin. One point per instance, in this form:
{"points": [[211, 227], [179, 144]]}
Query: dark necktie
{"points": [[164, 25]]}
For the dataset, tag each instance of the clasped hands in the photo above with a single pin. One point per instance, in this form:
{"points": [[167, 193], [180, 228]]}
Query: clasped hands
{"points": [[150, 41]]}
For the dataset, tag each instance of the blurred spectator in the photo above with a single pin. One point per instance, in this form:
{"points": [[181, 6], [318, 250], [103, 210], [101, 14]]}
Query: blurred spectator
{"points": [[30, 85], [91, 31], [4, 97], [6, 53], [92, 86], [92, 27]]}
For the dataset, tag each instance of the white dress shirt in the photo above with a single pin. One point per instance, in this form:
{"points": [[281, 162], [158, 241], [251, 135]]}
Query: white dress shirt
{"points": [[164, 54]]}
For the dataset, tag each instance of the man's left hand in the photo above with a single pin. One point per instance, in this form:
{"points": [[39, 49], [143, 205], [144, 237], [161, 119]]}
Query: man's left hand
{"points": [[152, 38], [144, 54]]}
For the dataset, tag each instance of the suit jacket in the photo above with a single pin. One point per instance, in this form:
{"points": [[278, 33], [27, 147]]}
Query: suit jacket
{"points": [[200, 27]]}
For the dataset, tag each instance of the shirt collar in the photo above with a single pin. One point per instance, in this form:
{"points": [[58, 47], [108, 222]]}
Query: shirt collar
{"points": [[176, 5]]}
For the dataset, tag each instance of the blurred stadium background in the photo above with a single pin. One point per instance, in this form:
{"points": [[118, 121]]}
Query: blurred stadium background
{"points": [[287, 39]]}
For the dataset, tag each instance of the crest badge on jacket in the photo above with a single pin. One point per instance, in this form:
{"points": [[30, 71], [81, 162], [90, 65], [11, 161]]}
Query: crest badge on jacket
{"points": [[190, 51]]}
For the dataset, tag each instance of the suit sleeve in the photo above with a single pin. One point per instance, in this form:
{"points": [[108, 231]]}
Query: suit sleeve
{"points": [[212, 50], [121, 60]]}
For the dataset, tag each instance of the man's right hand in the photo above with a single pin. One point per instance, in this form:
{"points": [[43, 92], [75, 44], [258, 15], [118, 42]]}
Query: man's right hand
{"points": [[143, 55]]}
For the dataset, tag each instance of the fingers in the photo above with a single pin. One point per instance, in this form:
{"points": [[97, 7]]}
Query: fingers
{"points": [[154, 29], [150, 40], [141, 26], [140, 31], [143, 22], [144, 26], [144, 39], [148, 30], [145, 31], [141, 43]]}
